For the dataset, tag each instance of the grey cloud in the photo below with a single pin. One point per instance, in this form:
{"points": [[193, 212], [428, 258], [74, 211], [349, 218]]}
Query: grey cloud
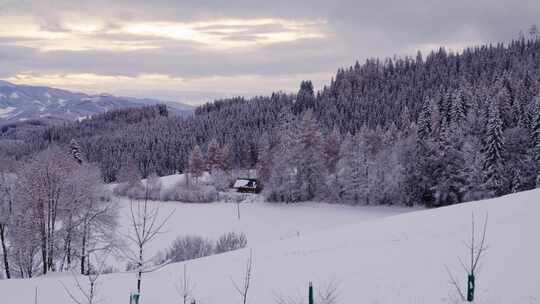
{"points": [[356, 30]]}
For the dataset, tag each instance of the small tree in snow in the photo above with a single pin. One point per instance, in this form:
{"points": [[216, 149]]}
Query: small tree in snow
{"points": [[476, 248], [246, 280], [88, 293], [145, 225], [186, 288]]}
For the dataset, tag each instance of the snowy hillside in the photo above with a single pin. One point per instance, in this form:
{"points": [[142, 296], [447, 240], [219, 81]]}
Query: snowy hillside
{"points": [[397, 259], [22, 102]]}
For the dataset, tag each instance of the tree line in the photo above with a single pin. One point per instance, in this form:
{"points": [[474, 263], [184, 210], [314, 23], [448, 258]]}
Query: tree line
{"points": [[438, 130]]}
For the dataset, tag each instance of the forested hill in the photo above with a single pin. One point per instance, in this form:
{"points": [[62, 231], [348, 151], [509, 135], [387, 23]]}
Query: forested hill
{"points": [[437, 128]]}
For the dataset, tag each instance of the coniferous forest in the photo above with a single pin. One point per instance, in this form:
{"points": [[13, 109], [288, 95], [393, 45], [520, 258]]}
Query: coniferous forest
{"points": [[437, 129]]}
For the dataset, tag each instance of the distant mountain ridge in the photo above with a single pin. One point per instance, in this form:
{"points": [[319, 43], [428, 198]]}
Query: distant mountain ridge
{"points": [[24, 102]]}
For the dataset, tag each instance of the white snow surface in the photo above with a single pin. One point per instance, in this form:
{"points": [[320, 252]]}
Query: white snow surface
{"points": [[373, 257]]}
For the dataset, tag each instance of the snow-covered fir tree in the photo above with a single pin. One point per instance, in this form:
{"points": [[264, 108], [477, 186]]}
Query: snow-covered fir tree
{"points": [[76, 151], [493, 152], [311, 175]]}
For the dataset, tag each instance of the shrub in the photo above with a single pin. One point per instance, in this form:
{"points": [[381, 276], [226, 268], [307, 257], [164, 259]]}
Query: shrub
{"points": [[131, 190], [193, 247], [138, 190], [187, 248], [231, 241], [191, 194]]}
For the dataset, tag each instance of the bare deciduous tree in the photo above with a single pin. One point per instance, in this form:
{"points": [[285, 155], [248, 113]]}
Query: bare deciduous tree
{"points": [[186, 288], [476, 248], [88, 293], [7, 183], [246, 280], [146, 225]]}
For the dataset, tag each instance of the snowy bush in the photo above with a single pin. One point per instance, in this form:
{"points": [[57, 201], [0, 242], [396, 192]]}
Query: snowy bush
{"points": [[191, 194], [131, 190], [187, 248], [193, 247], [231, 241]]}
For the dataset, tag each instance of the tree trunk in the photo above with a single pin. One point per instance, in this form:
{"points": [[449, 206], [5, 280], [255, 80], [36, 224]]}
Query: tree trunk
{"points": [[83, 249], [4, 250], [139, 275], [43, 246]]}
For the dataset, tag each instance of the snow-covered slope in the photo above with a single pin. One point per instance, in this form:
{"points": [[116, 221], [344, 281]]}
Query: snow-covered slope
{"points": [[396, 259], [22, 102]]}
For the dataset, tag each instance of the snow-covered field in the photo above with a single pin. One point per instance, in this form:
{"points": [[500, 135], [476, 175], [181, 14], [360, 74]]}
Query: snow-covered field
{"points": [[261, 222], [374, 258]]}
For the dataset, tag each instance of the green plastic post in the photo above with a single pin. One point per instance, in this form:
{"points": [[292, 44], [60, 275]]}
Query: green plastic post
{"points": [[134, 298], [470, 288], [311, 300]]}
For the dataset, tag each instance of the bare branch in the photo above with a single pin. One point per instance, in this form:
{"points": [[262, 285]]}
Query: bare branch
{"points": [[243, 291], [482, 247], [454, 282]]}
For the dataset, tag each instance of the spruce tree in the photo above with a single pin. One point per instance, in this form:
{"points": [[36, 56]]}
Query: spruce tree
{"points": [[535, 131], [493, 152], [332, 146], [450, 172], [311, 167], [305, 99], [458, 111], [354, 171], [283, 174], [76, 151], [264, 159], [424, 120]]}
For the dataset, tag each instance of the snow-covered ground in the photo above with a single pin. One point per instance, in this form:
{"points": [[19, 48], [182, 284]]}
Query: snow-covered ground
{"points": [[261, 222], [393, 259]]}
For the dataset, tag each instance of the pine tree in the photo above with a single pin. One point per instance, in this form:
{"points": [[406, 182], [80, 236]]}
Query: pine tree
{"points": [[332, 146], [535, 131], [264, 159], [76, 151], [493, 152], [450, 171], [458, 111], [305, 99], [424, 127], [354, 171], [516, 181], [311, 168], [283, 174]]}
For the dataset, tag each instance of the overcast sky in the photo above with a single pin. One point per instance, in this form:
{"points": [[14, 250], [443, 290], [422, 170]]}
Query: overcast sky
{"points": [[195, 51]]}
